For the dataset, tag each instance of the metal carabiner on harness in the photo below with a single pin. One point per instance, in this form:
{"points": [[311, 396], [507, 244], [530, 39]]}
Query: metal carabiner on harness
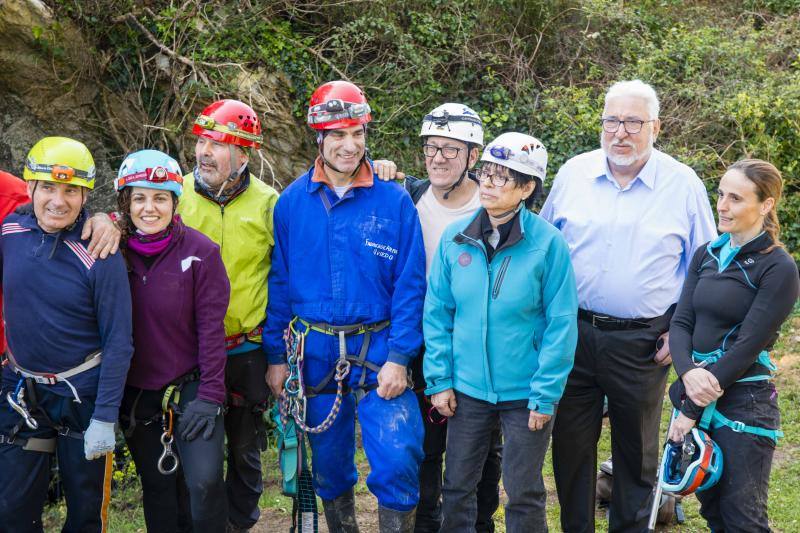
{"points": [[167, 439], [20, 407]]}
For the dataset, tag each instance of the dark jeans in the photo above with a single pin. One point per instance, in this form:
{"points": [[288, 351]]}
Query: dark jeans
{"points": [[429, 509], [191, 499], [738, 502], [244, 426], [619, 365], [25, 474], [468, 441]]}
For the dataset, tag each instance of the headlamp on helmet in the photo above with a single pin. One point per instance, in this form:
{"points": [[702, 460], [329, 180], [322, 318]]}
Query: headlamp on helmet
{"points": [[334, 110], [150, 169], [60, 160], [518, 151], [691, 466], [453, 121]]}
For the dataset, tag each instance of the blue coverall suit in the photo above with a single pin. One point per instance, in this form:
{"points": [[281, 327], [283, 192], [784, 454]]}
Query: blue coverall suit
{"points": [[354, 260]]}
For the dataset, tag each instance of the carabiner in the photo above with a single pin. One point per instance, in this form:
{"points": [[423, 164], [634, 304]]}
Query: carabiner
{"points": [[19, 406]]}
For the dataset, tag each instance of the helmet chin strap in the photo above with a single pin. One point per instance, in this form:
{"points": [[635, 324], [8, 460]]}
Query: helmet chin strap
{"points": [[461, 177], [510, 211], [234, 174], [457, 183]]}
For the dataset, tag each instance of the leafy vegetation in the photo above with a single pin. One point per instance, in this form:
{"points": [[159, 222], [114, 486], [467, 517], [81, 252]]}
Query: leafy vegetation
{"points": [[728, 72]]}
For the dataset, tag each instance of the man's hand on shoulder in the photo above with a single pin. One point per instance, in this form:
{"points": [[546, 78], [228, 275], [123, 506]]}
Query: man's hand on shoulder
{"points": [[105, 235], [387, 170]]}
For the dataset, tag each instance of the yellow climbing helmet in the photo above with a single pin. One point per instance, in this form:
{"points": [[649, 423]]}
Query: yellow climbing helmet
{"points": [[60, 160]]}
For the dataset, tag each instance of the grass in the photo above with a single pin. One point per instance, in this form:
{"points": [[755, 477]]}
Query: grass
{"points": [[126, 513]]}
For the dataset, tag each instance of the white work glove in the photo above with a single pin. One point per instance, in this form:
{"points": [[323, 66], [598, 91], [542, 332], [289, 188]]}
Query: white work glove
{"points": [[99, 439]]}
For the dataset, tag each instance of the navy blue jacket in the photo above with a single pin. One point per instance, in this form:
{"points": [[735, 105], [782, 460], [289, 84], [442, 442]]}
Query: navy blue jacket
{"points": [[61, 305]]}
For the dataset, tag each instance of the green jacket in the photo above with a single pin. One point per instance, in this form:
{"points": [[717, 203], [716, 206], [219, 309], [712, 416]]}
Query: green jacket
{"points": [[243, 230]]}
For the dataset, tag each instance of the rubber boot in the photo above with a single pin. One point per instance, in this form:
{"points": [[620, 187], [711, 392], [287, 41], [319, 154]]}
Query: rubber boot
{"points": [[340, 514], [391, 521]]}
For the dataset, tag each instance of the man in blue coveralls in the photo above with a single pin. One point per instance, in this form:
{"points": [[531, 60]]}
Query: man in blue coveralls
{"points": [[348, 273]]}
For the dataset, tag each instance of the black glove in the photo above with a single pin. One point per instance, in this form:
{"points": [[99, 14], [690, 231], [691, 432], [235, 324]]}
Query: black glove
{"points": [[199, 415]]}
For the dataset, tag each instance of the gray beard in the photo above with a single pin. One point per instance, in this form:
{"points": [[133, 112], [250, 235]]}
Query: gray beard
{"points": [[626, 160]]}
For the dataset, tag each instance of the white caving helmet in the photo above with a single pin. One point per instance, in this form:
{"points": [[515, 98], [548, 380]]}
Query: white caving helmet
{"points": [[518, 151], [454, 121]]}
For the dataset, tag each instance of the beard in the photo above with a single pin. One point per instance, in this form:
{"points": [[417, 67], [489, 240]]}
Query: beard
{"points": [[626, 160]]}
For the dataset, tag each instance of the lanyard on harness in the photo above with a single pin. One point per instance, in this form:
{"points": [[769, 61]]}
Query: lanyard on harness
{"points": [[294, 401], [712, 418], [172, 396]]}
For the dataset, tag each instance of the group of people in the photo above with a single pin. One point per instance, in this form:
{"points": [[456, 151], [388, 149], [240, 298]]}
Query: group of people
{"points": [[461, 328]]}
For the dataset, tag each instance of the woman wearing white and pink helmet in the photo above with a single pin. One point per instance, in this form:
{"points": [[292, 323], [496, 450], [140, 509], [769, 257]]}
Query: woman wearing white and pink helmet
{"points": [[500, 332]]}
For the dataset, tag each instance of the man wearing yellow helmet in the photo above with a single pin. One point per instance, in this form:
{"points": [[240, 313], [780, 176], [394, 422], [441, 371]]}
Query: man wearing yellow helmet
{"points": [[69, 346]]}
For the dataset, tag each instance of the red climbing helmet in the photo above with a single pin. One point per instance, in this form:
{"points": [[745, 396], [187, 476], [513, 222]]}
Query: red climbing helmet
{"points": [[230, 122], [336, 105]]}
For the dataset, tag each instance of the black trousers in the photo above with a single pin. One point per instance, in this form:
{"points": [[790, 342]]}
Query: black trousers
{"points": [[738, 502], [191, 499], [25, 474], [618, 365], [244, 427], [469, 438], [429, 508]]}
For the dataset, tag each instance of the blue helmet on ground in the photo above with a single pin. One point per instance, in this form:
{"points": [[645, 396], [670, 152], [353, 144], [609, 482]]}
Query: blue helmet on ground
{"points": [[693, 465], [150, 169]]}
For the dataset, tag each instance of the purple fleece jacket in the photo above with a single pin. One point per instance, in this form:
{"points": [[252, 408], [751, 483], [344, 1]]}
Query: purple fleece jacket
{"points": [[178, 307]]}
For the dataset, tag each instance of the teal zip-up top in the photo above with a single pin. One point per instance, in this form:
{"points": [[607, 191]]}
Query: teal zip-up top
{"points": [[503, 330]]}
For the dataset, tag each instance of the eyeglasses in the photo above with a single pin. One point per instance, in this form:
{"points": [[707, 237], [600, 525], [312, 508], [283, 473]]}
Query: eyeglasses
{"points": [[611, 125], [497, 180], [448, 152]]}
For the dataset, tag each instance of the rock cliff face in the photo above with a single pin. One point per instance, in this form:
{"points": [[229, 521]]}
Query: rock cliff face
{"points": [[52, 83]]}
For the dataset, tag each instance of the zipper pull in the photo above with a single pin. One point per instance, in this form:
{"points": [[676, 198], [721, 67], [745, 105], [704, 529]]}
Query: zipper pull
{"points": [[144, 279]]}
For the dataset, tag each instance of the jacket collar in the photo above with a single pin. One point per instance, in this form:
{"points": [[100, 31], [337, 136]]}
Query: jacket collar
{"points": [[758, 243], [647, 175], [227, 196], [473, 232], [364, 176], [137, 263]]}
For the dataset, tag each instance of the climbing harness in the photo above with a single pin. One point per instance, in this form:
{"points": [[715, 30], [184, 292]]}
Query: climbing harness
{"points": [[48, 378], [290, 415], [712, 418], [235, 399], [294, 401], [168, 462], [27, 409], [237, 340]]}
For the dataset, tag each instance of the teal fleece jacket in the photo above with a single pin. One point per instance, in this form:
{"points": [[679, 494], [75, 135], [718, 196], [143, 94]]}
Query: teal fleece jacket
{"points": [[503, 330]]}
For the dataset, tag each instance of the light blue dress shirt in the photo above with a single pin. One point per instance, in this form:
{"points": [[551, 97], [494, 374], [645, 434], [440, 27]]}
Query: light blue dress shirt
{"points": [[630, 247]]}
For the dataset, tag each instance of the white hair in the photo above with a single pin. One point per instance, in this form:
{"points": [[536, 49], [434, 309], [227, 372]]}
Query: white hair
{"points": [[639, 89]]}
